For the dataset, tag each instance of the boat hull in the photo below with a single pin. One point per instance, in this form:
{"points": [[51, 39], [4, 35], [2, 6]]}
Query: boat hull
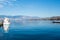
{"points": [[56, 22]]}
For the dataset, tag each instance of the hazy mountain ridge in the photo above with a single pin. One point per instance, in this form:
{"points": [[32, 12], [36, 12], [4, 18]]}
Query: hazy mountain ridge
{"points": [[31, 18]]}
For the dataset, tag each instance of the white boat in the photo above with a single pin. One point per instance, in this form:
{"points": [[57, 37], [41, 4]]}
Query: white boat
{"points": [[6, 24]]}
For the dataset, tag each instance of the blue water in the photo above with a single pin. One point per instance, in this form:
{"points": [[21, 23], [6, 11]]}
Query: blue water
{"points": [[40, 30]]}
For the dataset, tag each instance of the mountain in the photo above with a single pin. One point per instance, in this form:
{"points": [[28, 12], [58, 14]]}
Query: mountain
{"points": [[2, 16], [30, 17]]}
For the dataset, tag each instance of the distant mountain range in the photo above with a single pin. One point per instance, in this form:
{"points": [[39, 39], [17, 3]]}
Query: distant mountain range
{"points": [[31, 18], [2, 16], [19, 16]]}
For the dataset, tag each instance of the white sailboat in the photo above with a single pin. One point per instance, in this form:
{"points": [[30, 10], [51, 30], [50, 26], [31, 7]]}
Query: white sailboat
{"points": [[6, 24]]}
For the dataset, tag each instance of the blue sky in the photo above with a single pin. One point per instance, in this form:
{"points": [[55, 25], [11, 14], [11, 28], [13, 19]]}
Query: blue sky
{"points": [[41, 8]]}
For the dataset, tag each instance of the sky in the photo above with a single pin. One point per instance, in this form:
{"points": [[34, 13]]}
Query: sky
{"points": [[41, 8]]}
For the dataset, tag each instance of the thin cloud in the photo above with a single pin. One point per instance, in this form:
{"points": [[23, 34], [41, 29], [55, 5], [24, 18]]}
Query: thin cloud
{"points": [[2, 0], [5, 2], [14, 0], [1, 6]]}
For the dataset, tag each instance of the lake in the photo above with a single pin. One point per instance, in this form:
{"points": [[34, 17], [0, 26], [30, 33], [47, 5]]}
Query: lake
{"points": [[32, 30]]}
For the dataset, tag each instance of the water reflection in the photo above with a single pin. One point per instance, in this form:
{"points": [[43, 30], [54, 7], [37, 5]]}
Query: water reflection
{"points": [[6, 27], [41, 30]]}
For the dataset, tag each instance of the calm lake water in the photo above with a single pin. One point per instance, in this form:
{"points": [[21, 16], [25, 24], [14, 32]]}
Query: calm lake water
{"points": [[42, 30]]}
